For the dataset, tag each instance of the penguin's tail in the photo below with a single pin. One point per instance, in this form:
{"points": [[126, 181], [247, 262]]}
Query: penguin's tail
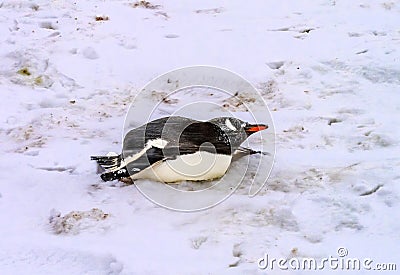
{"points": [[109, 162]]}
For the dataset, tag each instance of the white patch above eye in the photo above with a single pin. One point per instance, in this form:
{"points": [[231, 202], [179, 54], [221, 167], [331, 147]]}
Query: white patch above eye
{"points": [[158, 143], [229, 124], [243, 125]]}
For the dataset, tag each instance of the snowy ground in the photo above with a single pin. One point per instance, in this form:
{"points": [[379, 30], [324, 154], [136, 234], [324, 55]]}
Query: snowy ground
{"points": [[329, 71]]}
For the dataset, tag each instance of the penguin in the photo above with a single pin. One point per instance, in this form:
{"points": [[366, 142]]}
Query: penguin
{"points": [[174, 149]]}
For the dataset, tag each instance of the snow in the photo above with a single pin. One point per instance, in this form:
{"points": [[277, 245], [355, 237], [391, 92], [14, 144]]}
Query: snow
{"points": [[328, 70]]}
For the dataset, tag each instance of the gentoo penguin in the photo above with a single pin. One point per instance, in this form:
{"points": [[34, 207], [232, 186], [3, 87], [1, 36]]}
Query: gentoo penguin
{"points": [[174, 149]]}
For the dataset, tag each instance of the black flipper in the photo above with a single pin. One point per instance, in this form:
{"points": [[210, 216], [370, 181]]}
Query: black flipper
{"points": [[151, 156], [243, 151]]}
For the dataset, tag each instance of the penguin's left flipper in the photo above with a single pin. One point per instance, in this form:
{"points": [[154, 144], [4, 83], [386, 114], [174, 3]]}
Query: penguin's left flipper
{"points": [[243, 151], [250, 151]]}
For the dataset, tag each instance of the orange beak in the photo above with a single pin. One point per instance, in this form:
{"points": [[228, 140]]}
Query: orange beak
{"points": [[251, 129]]}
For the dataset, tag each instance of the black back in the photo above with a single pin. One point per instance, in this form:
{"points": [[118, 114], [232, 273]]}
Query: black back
{"points": [[184, 136]]}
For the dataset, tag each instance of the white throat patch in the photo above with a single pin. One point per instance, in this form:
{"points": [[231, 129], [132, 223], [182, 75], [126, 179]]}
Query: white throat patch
{"points": [[229, 124]]}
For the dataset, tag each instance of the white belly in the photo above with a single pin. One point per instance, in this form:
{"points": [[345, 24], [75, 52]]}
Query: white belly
{"points": [[194, 167]]}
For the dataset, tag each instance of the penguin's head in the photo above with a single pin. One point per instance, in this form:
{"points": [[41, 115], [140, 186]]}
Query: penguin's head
{"points": [[237, 130]]}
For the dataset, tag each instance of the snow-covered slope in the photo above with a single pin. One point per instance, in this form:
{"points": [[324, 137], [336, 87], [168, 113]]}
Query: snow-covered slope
{"points": [[329, 71]]}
